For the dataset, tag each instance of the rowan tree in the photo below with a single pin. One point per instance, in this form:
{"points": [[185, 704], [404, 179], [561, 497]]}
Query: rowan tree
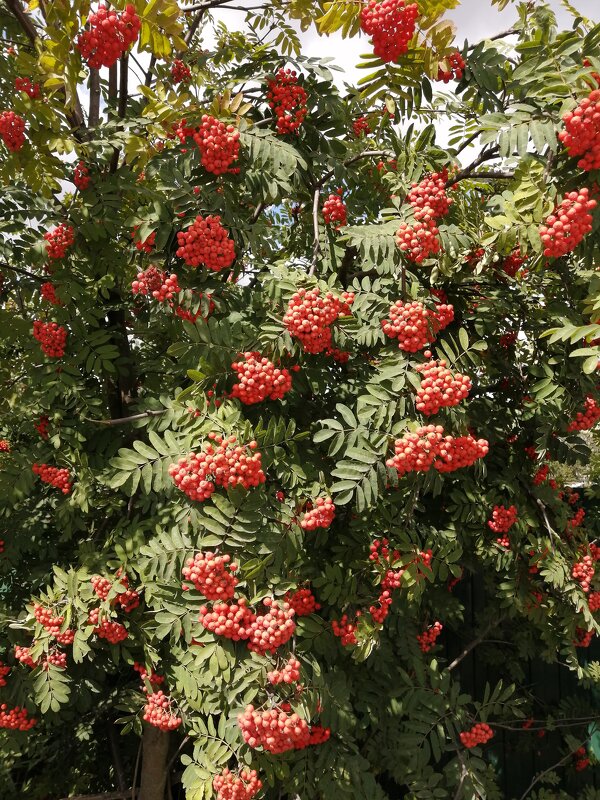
{"points": [[285, 371]]}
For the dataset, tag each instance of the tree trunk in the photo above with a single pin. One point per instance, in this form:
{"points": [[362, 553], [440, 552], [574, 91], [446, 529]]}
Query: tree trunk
{"points": [[155, 750]]}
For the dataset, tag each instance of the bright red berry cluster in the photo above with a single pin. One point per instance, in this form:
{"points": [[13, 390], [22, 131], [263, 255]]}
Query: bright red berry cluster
{"points": [[109, 36], [146, 245], [583, 572], [12, 130], [4, 670], [277, 731], [53, 624], [429, 202], [4, 446], [198, 474], [26, 85], [581, 136], [587, 418], [289, 673], [503, 519], [152, 677], [219, 145], [55, 476], [42, 426], [581, 759], [513, 263], [361, 125], [211, 575], [391, 24], [416, 326], [440, 388], [577, 519], [594, 602], [431, 193], [346, 630], [480, 733], [309, 317], [320, 516], [583, 637], [112, 631], [273, 629], [127, 599], [428, 447], [428, 638], [58, 241], [237, 787], [180, 72], [541, 475], [566, 227], [381, 609], [23, 654], [51, 336], [232, 620], [452, 69], [48, 293], [153, 282], [206, 242], [16, 719], [55, 658], [81, 176], [259, 379], [288, 101], [158, 712], [304, 603], [334, 211]]}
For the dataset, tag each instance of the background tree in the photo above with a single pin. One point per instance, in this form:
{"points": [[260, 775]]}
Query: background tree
{"points": [[281, 378]]}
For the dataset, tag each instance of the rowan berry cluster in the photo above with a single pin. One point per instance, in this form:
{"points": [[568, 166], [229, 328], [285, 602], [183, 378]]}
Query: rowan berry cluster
{"points": [[304, 602], [583, 572], [512, 263], [237, 787], [391, 25], [289, 673], [219, 145], [288, 101], [206, 242], [198, 474], [566, 227], [153, 282], [180, 72], [259, 379], [380, 610], [232, 620], [581, 136], [430, 193], [581, 759], [212, 575], [145, 245], [28, 86], [12, 130], [81, 176], [16, 719], [361, 125], [440, 388], [320, 516], [109, 36], [577, 519], [583, 637], [428, 638], [587, 418], [56, 658], [52, 338], [419, 240], [48, 293], [594, 602], [480, 733], [127, 599], [346, 630], [503, 519], [42, 426], [4, 670], [334, 212], [55, 476], [455, 66], [428, 447], [53, 624], [112, 631], [152, 677], [277, 731], [309, 317], [158, 712], [273, 629], [4, 446], [23, 654], [416, 326], [541, 475], [58, 241]]}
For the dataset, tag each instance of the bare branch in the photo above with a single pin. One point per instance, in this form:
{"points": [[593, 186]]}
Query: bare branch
{"points": [[540, 775], [150, 72], [316, 237], [21, 271], [257, 212], [94, 109], [126, 420], [485, 155], [130, 794], [123, 74], [472, 645]]}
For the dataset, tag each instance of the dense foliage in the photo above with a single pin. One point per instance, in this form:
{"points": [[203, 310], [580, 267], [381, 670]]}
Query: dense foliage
{"points": [[284, 381]]}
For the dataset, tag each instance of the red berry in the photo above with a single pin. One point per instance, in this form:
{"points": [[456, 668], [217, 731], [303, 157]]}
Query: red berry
{"points": [[288, 101], [391, 25]]}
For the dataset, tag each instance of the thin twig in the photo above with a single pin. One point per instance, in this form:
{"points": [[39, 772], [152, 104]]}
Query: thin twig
{"points": [[472, 645], [125, 420], [540, 775], [485, 155], [257, 212], [353, 160], [316, 236], [21, 271], [127, 795]]}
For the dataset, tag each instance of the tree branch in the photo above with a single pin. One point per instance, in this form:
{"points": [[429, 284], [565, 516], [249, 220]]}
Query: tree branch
{"points": [[353, 160], [316, 237], [125, 420], [130, 794], [485, 155], [123, 75], [150, 72], [540, 775], [94, 108], [20, 271], [472, 645]]}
